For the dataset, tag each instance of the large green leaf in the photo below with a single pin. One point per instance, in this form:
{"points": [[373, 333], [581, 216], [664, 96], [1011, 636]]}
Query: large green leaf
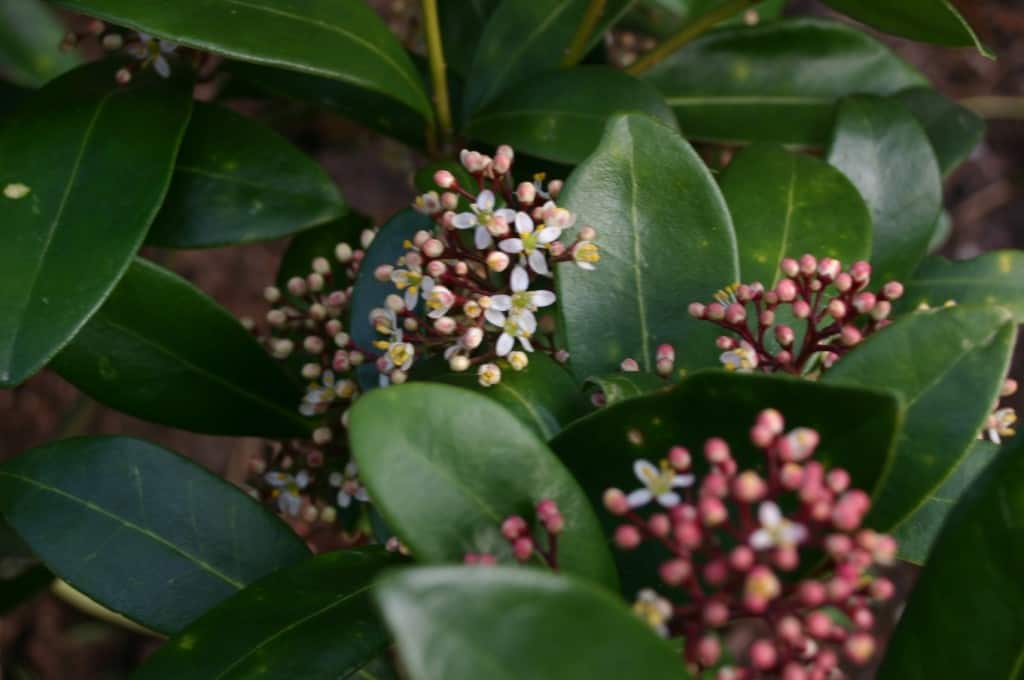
{"points": [[445, 467], [341, 39], [161, 350], [785, 205], [934, 21], [778, 82], [563, 114], [313, 620], [964, 618], [881, 147], [468, 623], [29, 36], [917, 533], [666, 240], [92, 161], [523, 38], [954, 130], [462, 24], [141, 530], [10, 97], [616, 387], [857, 428], [995, 278], [949, 365], [238, 181], [543, 396]]}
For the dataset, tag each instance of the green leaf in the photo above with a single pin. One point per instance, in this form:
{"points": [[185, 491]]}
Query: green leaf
{"points": [[778, 82], [953, 130], [445, 467], [616, 387], [881, 147], [562, 116], [340, 39], [523, 38], [144, 532], [785, 205], [238, 181], [934, 21], [72, 235], [320, 242], [995, 278], [462, 24], [467, 623], [30, 34], [313, 620], [10, 97], [917, 533], [666, 240], [857, 428], [949, 365], [543, 396], [161, 350], [963, 619], [940, 234]]}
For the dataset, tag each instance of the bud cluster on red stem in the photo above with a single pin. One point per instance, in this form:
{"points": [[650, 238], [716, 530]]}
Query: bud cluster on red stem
{"points": [[523, 541]]}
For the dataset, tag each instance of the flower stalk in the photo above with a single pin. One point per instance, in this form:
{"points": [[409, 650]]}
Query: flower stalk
{"points": [[578, 46], [438, 75]]}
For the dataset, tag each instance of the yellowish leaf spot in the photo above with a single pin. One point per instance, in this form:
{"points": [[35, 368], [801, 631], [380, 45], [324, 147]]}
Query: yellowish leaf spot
{"points": [[16, 190]]}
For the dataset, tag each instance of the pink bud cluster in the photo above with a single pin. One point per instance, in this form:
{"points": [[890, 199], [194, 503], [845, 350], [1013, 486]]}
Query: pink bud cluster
{"points": [[731, 555], [834, 307], [521, 538], [472, 289]]}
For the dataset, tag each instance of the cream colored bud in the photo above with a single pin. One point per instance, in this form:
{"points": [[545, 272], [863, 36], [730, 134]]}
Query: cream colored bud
{"points": [[321, 265], [518, 360], [459, 363]]}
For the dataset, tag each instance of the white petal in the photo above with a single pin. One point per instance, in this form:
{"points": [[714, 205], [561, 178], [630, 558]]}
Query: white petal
{"points": [[644, 471], [669, 500], [761, 540], [526, 321], [495, 317], [524, 224], [464, 220], [769, 514], [383, 380], [638, 498], [481, 238], [277, 479], [363, 495], [166, 46], [793, 533], [525, 342], [505, 343], [291, 503], [511, 245], [344, 500], [585, 265], [520, 280], [485, 201], [542, 298], [502, 303], [548, 234], [161, 66], [682, 481], [506, 214], [411, 298], [302, 479], [427, 284], [538, 263]]}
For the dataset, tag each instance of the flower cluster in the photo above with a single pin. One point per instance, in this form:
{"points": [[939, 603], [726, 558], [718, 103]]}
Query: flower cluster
{"points": [[521, 537], [475, 289], [316, 479], [835, 308], [147, 51], [739, 546], [1000, 422]]}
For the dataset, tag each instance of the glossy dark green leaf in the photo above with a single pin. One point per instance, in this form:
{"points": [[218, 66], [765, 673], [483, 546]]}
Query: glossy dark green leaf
{"points": [[468, 623], [562, 115], [949, 365], [11, 97], [23, 586], [236, 181], [940, 234], [995, 278], [778, 82], [523, 38], [857, 428], [543, 395], [666, 240], [616, 387], [965, 617], [30, 34], [313, 620], [340, 39], [785, 205], [882, 149], [321, 242], [372, 109], [445, 467], [917, 533], [462, 24], [161, 350], [73, 232], [954, 130], [934, 21], [143, 531]]}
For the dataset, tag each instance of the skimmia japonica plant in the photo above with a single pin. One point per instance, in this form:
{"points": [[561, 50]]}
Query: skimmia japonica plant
{"points": [[582, 402]]}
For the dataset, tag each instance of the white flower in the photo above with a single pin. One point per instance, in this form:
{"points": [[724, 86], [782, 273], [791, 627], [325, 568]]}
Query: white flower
{"points": [[152, 52], [742, 359], [488, 375], [318, 395], [287, 490], [439, 299], [349, 486], [482, 215], [411, 280], [522, 303], [776, 530], [586, 255], [1000, 424], [654, 610], [513, 327], [530, 243], [658, 484]]}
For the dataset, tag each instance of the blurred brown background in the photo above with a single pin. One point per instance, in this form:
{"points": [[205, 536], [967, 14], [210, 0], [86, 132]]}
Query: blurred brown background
{"points": [[46, 638]]}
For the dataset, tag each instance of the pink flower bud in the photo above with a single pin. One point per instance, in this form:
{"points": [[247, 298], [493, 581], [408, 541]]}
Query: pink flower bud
{"points": [[445, 325], [844, 282], [794, 671], [664, 367], [838, 546], [523, 548], [709, 649], [383, 273], [679, 458], [555, 524], [716, 450], [712, 511], [838, 589], [735, 314], [811, 593], [882, 589], [615, 502], [716, 572], [555, 187], [741, 558], [837, 310], [715, 613], [432, 247], [715, 484], [863, 618], [881, 310], [526, 192], [798, 445], [790, 629], [547, 508], [786, 290], [697, 310], [715, 311], [436, 268], [761, 436], [762, 583], [725, 343], [675, 572], [828, 268], [448, 220], [763, 654], [748, 487], [859, 648], [893, 290], [501, 164], [449, 200], [786, 558], [444, 179], [864, 302], [629, 365], [808, 264], [838, 480], [818, 624], [513, 527], [801, 309], [472, 338], [688, 534], [785, 335], [666, 351], [861, 272], [659, 524], [789, 267], [850, 336], [627, 537], [791, 476]]}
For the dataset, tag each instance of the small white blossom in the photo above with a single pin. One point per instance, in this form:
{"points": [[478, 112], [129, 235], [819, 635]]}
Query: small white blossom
{"points": [[513, 327], [742, 359], [287, 489], [654, 610], [1000, 424], [411, 280], [153, 52], [658, 484], [776, 531], [530, 244], [522, 303], [439, 299], [349, 486], [483, 215]]}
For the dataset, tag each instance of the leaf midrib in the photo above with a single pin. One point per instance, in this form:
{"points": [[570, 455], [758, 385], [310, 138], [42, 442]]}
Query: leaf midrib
{"points": [[641, 300]]}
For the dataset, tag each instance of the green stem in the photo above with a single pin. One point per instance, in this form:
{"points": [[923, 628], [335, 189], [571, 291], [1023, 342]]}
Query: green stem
{"points": [[578, 46], [438, 74], [996, 107], [690, 32]]}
